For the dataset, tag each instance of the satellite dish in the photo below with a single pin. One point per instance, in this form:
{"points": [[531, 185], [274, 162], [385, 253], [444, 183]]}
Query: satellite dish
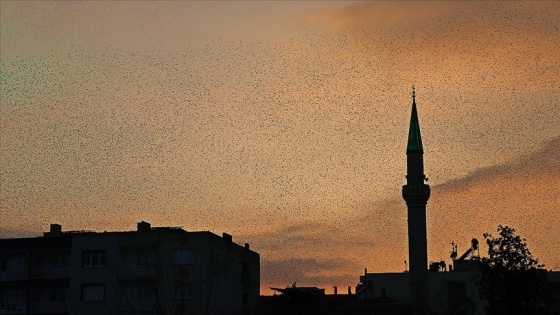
{"points": [[474, 243]]}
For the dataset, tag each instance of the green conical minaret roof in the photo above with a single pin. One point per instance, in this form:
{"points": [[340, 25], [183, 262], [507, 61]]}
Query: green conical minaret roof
{"points": [[414, 138]]}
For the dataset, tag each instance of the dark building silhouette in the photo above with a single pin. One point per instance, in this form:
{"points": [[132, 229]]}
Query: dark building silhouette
{"points": [[313, 301], [416, 194], [152, 270]]}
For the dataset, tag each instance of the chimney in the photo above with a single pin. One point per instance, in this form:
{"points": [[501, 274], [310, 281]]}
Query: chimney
{"points": [[247, 245], [56, 230], [349, 290], [227, 237], [335, 290], [144, 227]]}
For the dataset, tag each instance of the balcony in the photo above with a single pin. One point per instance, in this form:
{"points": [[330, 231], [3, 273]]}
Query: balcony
{"points": [[138, 271], [140, 307], [8, 308], [13, 275], [50, 273], [49, 307]]}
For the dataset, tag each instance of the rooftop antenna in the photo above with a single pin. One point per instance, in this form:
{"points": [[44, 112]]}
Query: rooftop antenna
{"points": [[453, 255]]}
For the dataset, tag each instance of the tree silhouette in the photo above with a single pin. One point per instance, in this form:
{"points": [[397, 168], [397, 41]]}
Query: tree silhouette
{"points": [[512, 281]]}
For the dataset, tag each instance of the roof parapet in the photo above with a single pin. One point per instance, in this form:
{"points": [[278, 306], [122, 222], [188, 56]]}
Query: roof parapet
{"points": [[55, 230], [143, 227], [227, 237]]}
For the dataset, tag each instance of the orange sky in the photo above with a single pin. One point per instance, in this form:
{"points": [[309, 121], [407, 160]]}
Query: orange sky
{"points": [[283, 124]]}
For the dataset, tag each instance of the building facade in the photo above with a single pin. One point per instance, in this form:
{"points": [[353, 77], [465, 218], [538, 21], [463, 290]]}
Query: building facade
{"points": [[162, 270]]}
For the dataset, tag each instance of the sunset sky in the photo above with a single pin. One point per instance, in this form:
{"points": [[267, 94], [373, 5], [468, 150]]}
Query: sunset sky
{"points": [[283, 124]]}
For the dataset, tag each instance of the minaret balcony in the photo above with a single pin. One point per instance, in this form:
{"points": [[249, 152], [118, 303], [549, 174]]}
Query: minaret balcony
{"points": [[416, 194]]}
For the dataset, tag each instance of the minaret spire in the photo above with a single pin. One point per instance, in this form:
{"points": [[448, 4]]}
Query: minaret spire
{"points": [[416, 194], [414, 137]]}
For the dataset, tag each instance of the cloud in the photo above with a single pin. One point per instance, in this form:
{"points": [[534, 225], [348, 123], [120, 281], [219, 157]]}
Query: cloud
{"points": [[453, 43], [300, 238], [311, 253], [541, 163], [431, 20], [371, 16], [307, 272]]}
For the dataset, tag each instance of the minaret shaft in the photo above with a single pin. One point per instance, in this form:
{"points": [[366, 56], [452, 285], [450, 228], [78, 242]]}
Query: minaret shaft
{"points": [[415, 169], [416, 194]]}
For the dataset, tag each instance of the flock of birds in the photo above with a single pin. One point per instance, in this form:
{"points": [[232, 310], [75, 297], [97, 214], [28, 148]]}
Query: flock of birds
{"points": [[301, 137]]}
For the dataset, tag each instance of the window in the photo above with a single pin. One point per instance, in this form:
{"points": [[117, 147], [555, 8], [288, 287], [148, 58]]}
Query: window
{"points": [[183, 256], [145, 292], [61, 261], [58, 294], [95, 259], [12, 263], [147, 258], [183, 290], [93, 292], [12, 297]]}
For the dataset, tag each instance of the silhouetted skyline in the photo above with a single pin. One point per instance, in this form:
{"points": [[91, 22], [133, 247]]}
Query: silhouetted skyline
{"points": [[284, 124]]}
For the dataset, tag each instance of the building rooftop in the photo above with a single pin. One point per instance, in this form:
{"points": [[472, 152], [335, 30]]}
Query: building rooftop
{"points": [[143, 228]]}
